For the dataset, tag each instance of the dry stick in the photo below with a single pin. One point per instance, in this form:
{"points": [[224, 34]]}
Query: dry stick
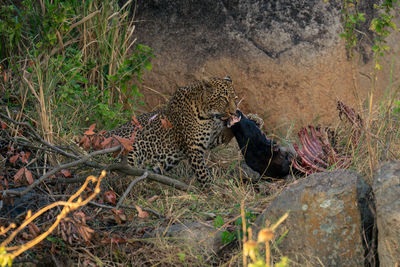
{"points": [[56, 169], [127, 207], [127, 170], [144, 176], [44, 142], [124, 168], [37, 137]]}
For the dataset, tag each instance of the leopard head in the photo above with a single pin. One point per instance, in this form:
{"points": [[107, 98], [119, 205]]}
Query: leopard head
{"points": [[219, 97]]}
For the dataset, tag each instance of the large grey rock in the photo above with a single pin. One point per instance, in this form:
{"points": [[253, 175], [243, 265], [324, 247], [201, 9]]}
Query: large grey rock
{"points": [[386, 187], [285, 57], [328, 215]]}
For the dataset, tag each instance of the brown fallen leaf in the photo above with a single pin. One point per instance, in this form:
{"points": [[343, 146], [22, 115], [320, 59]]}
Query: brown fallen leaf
{"points": [[14, 158], [33, 230], [66, 173], [107, 142], [85, 232], [153, 198], [28, 176], [18, 175], [91, 128], [166, 123], [125, 143], [110, 197], [141, 213], [119, 216]]}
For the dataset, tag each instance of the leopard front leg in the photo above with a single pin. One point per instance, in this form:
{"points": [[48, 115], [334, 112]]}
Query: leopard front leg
{"points": [[196, 159]]}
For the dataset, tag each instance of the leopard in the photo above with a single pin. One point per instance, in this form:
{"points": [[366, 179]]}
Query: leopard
{"points": [[193, 121]]}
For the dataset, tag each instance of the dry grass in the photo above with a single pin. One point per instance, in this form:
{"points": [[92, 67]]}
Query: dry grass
{"points": [[223, 199]]}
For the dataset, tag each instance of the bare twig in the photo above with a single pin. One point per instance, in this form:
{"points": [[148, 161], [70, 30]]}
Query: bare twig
{"points": [[55, 148], [38, 137], [127, 207], [144, 176], [125, 168], [56, 169]]}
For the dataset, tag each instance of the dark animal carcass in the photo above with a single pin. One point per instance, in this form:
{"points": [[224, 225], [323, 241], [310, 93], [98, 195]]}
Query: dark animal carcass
{"points": [[261, 154]]}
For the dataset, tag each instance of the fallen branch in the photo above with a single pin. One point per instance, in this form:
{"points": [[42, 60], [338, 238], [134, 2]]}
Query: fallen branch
{"points": [[144, 176], [58, 168], [128, 170], [36, 136], [125, 168], [73, 203], [128, 207]]}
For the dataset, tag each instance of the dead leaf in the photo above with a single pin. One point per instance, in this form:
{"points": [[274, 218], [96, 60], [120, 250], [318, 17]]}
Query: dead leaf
{"points": [[106, 142], [102, 132], [3, 125], [152, 199], [166, 123], [119, 216], [28, 176], [80, 217], [141, 213], [85, 142], [136, 122], [86, 145], [23, 157], [18, 175], [26, 236], [85, 232], [88, 263], [110, 197], [115, 239], [33, 230], [14, 158], [90, 131], [66, 173], [125, 143], [96, 140]]}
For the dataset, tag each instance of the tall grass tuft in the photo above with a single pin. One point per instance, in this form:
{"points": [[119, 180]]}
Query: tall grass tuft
{"points": [[77, 63]]}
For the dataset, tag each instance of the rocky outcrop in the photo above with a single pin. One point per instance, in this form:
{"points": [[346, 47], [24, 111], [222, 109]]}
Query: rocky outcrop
{"points": [[329, 217], [285, 57], [386, 187]]}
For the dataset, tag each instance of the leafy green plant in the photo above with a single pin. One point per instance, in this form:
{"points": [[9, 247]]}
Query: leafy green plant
{"points": [[230, 236], [382, 25], [10, 30], [351, 18], [81, 60]]}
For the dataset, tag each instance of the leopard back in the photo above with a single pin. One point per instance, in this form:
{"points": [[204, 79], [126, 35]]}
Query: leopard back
{"points": [[192, 122]]}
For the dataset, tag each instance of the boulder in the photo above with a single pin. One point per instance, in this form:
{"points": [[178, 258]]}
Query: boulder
{"points": [[285, 57], [328, 220], [386, 188]]}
